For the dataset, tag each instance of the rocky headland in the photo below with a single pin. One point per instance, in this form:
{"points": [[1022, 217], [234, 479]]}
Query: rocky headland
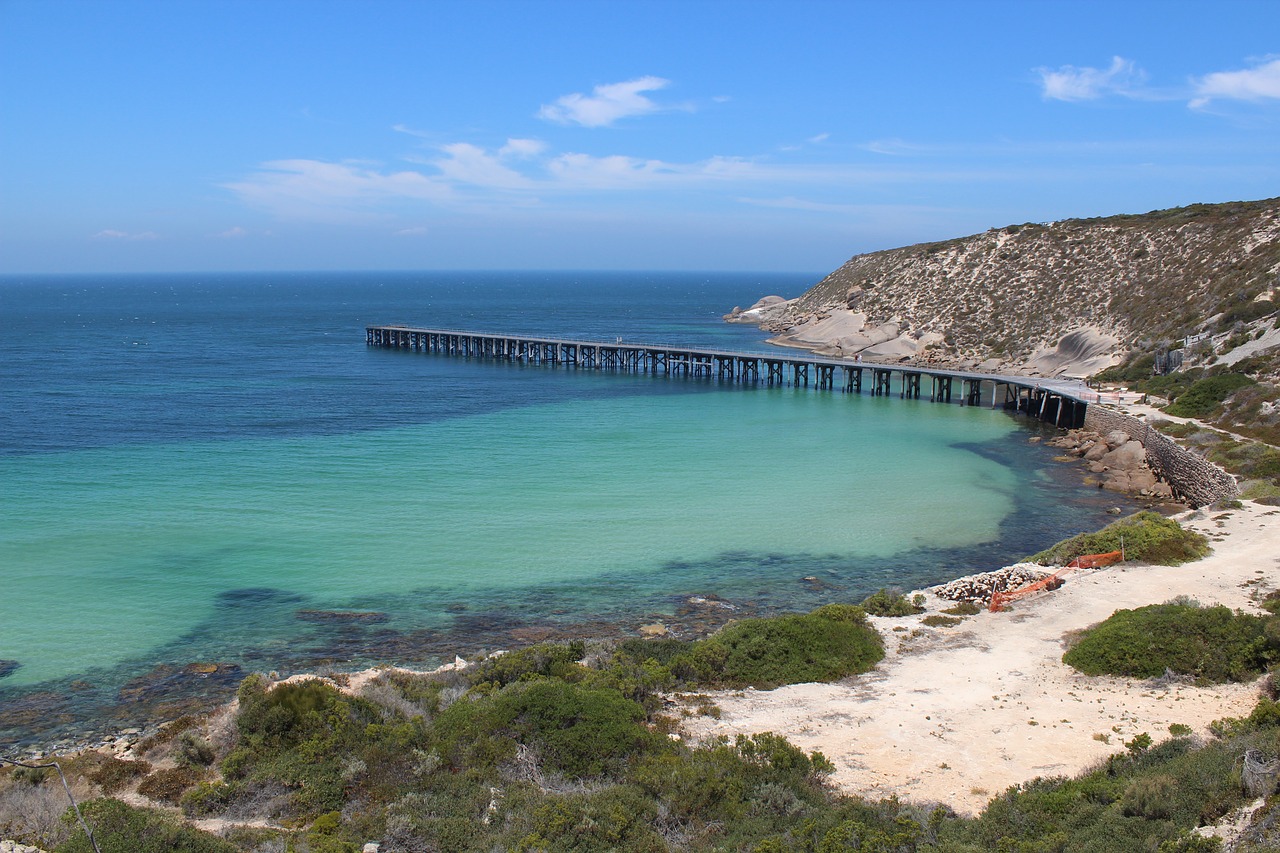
{"points": [[1067, 298]]}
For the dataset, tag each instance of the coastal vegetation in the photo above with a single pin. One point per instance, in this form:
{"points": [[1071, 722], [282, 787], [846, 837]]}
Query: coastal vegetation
{"points": [[541, 750], [1144, 536], [1209, 644], [889, 603]]}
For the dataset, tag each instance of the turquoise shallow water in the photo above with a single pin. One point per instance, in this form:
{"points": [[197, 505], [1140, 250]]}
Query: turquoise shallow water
{"points": [[146, 537], [211, 463]]}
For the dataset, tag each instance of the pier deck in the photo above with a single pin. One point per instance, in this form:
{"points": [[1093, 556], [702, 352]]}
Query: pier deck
{"points": [[1057, 401]]}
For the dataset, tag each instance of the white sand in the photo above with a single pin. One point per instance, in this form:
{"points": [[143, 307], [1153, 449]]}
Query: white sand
{"points": [[956, 715]]}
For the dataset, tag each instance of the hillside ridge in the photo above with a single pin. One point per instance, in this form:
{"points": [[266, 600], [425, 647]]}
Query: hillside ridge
{"points": [[1070, 297]]}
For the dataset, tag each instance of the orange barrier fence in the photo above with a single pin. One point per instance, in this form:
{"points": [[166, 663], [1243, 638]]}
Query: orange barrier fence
{"points": [[1094, 561], [1055, 580]]}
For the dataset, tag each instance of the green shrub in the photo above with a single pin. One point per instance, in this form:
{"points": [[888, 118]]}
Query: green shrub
{"points": [[120, 828], [889, 603], [544, 660], [114, 773], [1145, 536], [1205, 395], [793, 649], [169, 784], [935, 620], [964, 608], [575, 731], [1211, 643]]}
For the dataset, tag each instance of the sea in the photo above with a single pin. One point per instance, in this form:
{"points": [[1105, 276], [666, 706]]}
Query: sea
{"points": [[205, 475]]}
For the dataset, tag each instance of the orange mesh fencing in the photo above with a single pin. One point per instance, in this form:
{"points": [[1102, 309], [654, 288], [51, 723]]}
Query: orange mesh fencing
{"points": [[1055, 580]]}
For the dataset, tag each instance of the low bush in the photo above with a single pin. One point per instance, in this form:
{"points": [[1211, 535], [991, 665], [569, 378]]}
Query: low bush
{"points": [[889, 603], [574, 731], [1205, 396], [1145, 536], [121, 828], [1214, 644], [964, 608], [766, 653], [115, 773], [169, 784]]}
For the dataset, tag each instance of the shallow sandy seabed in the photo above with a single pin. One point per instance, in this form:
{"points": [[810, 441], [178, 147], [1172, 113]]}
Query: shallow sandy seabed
{"points": [[956, 715]]}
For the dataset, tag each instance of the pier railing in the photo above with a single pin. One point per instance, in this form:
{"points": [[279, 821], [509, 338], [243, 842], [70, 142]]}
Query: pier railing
{"points": [[1061, 402]]}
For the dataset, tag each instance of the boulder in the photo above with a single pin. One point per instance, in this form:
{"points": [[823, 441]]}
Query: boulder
{"points": [[1098, 450], [1116, 437], [1129, 456]]}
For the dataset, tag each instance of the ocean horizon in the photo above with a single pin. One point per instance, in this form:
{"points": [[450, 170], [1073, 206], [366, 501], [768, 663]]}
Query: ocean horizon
{"points": [[212, 474]]}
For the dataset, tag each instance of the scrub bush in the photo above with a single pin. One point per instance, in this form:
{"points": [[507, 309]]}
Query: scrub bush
{"points": [[1205, 395], [1213, 644], [887, 603], [576, 731], [766, 653], [1145, 536], [120, 828]]}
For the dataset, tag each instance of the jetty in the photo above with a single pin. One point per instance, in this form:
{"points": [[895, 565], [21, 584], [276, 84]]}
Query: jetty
{"points": [[1057, 401]]}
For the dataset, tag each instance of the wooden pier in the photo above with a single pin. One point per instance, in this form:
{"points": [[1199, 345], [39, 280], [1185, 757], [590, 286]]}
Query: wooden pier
{"points": [[1060, 402]]}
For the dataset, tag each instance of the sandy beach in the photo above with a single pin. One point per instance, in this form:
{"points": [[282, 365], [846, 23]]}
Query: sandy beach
{"points": [[956, 715]]}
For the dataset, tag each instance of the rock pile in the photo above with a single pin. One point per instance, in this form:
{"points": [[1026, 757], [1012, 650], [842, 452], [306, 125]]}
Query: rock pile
{"points": [[980, 587], [14, 847], [1121, 460]]}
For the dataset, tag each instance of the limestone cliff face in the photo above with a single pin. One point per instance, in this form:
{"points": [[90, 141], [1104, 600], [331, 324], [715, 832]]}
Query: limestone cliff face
{"points": [[1016, 293]]}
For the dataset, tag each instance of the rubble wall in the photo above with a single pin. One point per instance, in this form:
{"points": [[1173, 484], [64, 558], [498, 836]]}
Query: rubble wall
{"points": [[1193, 478]]}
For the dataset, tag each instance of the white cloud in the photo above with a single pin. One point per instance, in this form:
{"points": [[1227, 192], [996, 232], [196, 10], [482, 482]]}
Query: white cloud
{"points": [[417, 231], [793, 203], [606, 104], [310, 187], [1259, 83], [1069, 83], [234, 232], [470, 164], [820, 138], [522, 148], [113, 234]]}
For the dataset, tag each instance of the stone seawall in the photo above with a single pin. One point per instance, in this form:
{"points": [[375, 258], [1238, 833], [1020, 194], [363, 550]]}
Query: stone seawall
{"points": [[1193, 478]]}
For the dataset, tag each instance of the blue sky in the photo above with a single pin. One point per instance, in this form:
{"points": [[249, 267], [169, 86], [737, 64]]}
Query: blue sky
{"points": [[266, 134]]}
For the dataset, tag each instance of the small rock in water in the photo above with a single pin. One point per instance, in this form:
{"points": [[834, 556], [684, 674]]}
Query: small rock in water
{"points": [[657, 629], [709, 601], [8, 667]]}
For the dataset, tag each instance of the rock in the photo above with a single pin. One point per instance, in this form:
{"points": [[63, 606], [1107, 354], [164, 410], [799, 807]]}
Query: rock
{"points": [[1129, 456], [1115, 510], [657, 629], [1097, 451], [1116, 437], [710, 601], [8, 668], [371, 847], [980, 587]]}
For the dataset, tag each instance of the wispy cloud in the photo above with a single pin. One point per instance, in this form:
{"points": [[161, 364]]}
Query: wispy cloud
{"points": [[606, 104], [113, 234], [314, 187], [1069, 83], [1260, 83], [233, 233], [416, 231]]}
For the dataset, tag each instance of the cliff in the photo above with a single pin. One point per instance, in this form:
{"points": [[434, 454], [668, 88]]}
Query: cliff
{"points": [[1045, 298]]}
